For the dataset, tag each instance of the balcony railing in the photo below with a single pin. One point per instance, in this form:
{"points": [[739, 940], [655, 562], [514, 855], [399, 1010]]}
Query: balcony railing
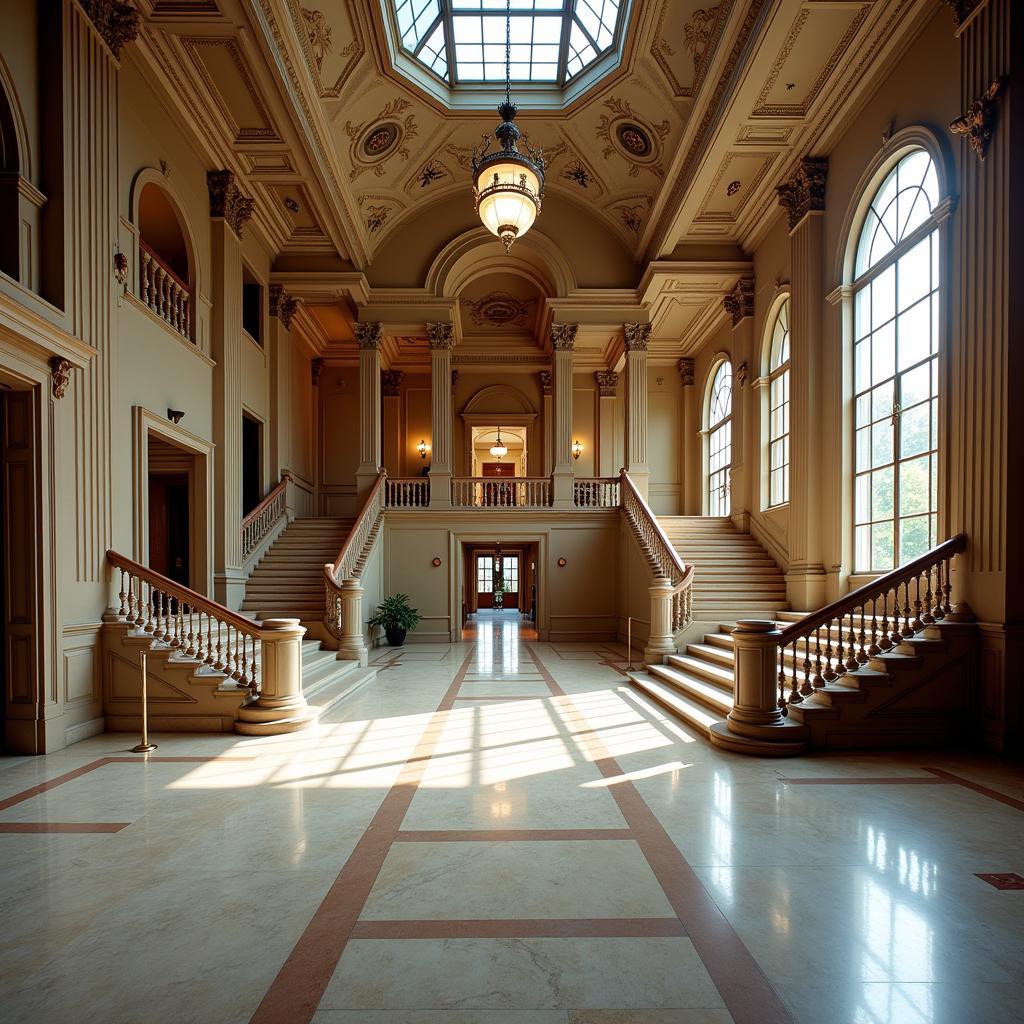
{"points": [[411, 492], [595, 492], [501, 492], [163, 292]]}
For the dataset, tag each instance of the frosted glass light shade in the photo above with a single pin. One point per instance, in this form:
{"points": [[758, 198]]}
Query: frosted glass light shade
{"points": [[508, 199]]}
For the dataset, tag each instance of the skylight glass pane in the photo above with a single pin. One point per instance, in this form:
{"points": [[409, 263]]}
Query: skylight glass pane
{"points": [[477, 37]]}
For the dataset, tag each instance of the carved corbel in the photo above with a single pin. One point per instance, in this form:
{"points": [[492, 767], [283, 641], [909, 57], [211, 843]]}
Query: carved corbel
{"points": [[227, 200], [563, 337], [804, 193], [607, 383], [441, 336], [685, 367], [741, 374], [369, 335], [739, 304], [282, 305], [60, 375], [979, 121], [636, 336]]}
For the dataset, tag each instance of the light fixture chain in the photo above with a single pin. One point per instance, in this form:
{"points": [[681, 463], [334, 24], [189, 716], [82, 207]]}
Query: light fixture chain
{"points": [[508, 51]]}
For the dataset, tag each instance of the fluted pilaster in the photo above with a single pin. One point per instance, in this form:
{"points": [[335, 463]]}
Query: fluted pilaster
{"points": [[442, 339], [637, 338]]}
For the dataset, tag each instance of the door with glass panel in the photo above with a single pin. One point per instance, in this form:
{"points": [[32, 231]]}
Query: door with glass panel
{"points": [[896, 344]]}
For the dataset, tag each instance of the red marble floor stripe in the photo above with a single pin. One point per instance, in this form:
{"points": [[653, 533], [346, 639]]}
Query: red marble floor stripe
{"points": [[62, 827], [511, 835], [743, 986], [977, 787], [908, 780], [45, 787], [60, 780], [295, 993], [523, 928], [503, 696]]}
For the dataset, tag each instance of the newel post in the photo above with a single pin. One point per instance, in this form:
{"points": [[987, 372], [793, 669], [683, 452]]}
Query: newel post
{"points": [[350, 644], [659, 642], [756, 725], [280, 706]]}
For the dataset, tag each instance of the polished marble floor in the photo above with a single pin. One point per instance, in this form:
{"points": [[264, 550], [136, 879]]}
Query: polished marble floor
{"points": [[502, 832]]}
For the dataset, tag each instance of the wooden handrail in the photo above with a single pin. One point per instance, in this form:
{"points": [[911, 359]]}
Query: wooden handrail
{"points": [[286, 479], [154, 255], [350, 540], [678, 564], [873, 589], [188, 596]]}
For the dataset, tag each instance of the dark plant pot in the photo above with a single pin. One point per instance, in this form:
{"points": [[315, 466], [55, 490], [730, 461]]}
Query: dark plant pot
{"points": [[396, 637]]}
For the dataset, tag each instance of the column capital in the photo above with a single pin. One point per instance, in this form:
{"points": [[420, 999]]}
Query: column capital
{"points": [[441, 336], [963, 11], [739, 303], [979, 120], [391, 383], [637, 337], [282, 305], [116, 21], [804, 192], [369, 335], [563, 337], [685, 367], [227, 200], [607, 382], [316, 367], [545, 382]]}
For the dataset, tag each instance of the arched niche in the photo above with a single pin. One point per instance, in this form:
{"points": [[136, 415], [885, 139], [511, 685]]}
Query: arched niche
{"points": [[499, 405]]}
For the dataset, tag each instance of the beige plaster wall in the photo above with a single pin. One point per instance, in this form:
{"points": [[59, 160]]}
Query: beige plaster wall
{"points": [[664, 432]]}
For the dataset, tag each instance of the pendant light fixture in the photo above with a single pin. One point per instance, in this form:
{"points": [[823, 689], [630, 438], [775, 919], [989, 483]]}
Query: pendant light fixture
{"points": [[508, 186], [499, 450]]}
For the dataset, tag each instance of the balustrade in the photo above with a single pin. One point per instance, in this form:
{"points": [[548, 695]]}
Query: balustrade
{"points": [[260, 522], [413, 492], [186, 621], [501, 492], [595, 492], [163, 291]]}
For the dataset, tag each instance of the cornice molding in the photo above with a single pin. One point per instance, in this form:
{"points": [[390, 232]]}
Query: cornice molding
{"points": [[227, 200], [804, 192]]}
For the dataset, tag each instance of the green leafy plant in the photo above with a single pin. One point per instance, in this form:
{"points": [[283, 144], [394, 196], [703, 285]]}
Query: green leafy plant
{"points": [[498, 588], [395, 612]]}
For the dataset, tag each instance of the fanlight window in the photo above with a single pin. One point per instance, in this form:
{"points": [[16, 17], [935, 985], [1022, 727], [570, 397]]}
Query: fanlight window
{"points": [[778, 410], [551, 40], [720, 441], [896, 344]]}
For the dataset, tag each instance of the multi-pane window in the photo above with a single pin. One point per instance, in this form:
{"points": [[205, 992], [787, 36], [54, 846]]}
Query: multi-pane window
{"points": [[778, 410], [896, 344], [510, 566], [549, 40], [720, 441], [484, 574]]}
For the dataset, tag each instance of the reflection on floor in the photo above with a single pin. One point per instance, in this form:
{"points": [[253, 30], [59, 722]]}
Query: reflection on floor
{"points": [[503, 627], [502, 833]]}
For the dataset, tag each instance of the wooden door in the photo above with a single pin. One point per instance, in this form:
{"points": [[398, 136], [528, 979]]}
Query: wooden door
{"points": [[169, 517], [485, 581]]}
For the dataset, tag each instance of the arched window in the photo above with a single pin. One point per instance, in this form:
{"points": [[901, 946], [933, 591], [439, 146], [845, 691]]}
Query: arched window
{"points": [[778, 410], [895, 349], [720, 440], [165, 272]]}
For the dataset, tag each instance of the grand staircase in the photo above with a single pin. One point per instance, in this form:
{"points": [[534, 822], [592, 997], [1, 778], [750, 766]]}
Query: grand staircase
{"points": [[288, 582], [735, 577], [911, 692]]}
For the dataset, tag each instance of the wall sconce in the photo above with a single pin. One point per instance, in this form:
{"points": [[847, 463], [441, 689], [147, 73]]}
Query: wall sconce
{"points": [[175, 415], [436, 563], [422, 449], [577, 449]]}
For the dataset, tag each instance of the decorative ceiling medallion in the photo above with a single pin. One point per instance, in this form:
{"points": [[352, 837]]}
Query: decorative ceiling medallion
{"points": [[374, 143], [291, 204], [499, 309], [379, 139], [733, 188], [634, 139]]}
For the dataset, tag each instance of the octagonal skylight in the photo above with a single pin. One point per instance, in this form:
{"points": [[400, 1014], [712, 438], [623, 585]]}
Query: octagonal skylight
{"points": [[463, 41]]}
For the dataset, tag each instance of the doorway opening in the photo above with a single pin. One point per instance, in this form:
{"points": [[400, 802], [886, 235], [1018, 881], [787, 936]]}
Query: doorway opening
{"points": [[500, 583], [171, 485], [252, 462]]}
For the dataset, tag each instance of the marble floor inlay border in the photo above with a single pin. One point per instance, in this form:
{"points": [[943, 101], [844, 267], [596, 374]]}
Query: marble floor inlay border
{"points": [[523, 928]]}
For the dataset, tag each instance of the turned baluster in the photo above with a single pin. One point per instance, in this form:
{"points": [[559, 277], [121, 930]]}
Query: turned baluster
{"points": [[210, 649], [851, 644], [917, 624], [947, 589], [794, 692], [806, 689], [908, 624], [926, 617], [862, 655], [830, 672], [819, 680], [782, 681], [185, 329], [874, 649], [253, 679]]}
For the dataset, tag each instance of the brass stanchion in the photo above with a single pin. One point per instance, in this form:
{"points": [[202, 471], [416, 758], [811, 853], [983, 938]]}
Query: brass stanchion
{"points": [[145, 746], [629, 644]]}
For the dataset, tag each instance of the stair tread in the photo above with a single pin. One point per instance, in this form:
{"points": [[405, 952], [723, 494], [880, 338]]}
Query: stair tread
{"points": [[689, 710]]}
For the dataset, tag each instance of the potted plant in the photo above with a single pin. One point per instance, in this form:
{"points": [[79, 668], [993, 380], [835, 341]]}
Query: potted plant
{"points": [[397, 617], [499, 587]]}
